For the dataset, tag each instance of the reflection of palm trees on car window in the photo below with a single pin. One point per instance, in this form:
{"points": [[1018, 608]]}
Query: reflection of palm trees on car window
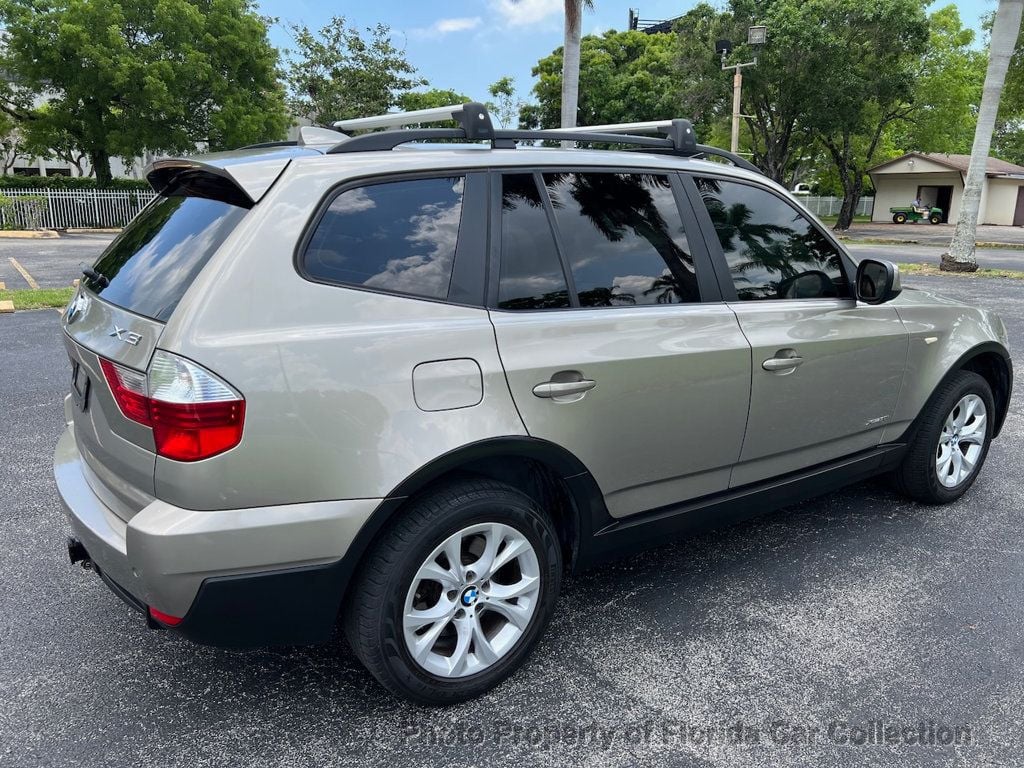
{"points": [[618, 204]]}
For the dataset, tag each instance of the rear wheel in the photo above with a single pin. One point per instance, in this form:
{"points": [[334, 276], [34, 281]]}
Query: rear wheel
{"points": [[951, 442], [899, 218], [452, 600]]}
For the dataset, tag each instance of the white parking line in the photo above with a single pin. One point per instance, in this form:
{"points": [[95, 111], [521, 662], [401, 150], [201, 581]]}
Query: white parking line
{"points": [[24, 273]]}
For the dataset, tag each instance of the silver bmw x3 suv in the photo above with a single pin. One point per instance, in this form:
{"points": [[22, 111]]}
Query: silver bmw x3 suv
{"points": [[405, 389]]}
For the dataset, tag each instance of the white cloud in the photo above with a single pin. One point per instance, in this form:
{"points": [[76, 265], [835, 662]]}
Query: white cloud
{"points": [[527, 12], [446, 26]]}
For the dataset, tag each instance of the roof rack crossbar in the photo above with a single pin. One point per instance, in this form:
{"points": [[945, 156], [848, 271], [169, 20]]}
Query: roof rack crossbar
{"points": [[675, 137], [472, 117]]}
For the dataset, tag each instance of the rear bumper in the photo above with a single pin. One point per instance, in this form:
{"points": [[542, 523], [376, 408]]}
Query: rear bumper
{"points": [[240, 577]]}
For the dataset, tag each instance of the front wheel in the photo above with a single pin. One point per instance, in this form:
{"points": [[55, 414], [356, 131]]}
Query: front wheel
{"points": [[455, 595], [935, 219], [951, 442]]}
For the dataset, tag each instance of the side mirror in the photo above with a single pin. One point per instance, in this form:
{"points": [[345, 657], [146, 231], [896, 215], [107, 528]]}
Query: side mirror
{"points": [[877, 281]]}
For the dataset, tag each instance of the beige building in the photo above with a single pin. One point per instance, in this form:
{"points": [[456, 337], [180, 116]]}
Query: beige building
{"points": [[937, 180]]}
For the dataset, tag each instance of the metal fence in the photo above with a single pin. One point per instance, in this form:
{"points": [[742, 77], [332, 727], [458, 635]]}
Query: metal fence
{"points": [[70, 208], [829, 206]]}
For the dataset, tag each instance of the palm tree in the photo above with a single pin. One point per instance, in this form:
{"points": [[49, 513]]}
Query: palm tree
{"points": [[571, 59], [1005, 29]]}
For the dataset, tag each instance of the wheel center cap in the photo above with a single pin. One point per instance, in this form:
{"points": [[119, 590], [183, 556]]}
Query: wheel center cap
{"points": [[469, 596]]}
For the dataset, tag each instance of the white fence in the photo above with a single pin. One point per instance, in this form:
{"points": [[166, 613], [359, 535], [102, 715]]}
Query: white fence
{"points": [[829, 206], [70, 208]]}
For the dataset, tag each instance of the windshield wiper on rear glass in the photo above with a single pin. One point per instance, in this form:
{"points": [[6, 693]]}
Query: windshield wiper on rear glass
{"points": [[96, 277]]}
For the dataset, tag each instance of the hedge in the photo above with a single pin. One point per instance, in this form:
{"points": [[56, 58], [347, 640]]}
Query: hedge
{"points": [[67, 182]]}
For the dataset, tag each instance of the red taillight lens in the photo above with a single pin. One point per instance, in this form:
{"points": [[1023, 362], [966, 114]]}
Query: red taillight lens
{"points": [[192, 431], [193, 414], [129, 390]]}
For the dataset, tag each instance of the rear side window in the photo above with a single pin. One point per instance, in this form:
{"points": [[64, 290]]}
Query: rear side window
{"points": [[773, 250], [155, 259], [396, 236], [531, 271], [623, 238]]}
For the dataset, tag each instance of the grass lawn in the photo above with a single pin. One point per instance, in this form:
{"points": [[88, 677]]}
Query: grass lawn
{"points": [[834, 219], [934, 271], [39, 298]]}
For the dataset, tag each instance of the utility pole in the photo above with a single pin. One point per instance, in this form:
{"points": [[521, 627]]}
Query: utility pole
{"points": [[756, 35]]}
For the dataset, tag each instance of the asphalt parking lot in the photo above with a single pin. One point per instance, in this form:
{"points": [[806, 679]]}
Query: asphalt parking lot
{"points": [[52, 263], [779, 642]]}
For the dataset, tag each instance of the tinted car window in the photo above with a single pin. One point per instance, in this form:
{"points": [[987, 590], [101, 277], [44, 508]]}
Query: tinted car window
{"points": [[623, 237], [157, 256], [399, 236], [773, 250], [531, 271]]}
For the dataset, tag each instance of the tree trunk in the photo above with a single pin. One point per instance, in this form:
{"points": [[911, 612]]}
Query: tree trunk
{"points": [[100, 161], [961, 256], [571, 63], [853, 187]]}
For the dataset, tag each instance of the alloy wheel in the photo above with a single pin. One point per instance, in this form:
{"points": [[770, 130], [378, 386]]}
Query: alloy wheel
{"points": [[471, 600], [961, 441]]}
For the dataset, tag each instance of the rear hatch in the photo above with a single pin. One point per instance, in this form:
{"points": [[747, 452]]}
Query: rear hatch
{"points": [[118, 316]]}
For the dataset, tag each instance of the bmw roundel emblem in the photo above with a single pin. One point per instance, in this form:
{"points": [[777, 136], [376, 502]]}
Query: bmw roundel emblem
{"points": [[469, 596], [77, 306]]}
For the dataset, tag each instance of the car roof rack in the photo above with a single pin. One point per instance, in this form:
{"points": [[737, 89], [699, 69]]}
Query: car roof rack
{"points": [[675, 137]]}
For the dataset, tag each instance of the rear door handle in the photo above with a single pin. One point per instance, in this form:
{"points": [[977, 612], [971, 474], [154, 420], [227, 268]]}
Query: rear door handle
{"points": [[776, 364], [557, 389]]}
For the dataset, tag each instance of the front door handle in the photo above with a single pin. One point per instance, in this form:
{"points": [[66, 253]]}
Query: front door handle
{"points": [[783, 363], [559, 389]]}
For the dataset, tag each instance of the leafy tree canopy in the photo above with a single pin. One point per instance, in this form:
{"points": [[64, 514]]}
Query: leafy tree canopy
{"points": [[118, 79], [624, 77], [336, 74]]}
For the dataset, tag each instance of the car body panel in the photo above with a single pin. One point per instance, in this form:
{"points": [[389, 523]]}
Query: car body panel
{"points": [[838, 401], [671, 394], [941, 331], [119, 451], [326, 371]]}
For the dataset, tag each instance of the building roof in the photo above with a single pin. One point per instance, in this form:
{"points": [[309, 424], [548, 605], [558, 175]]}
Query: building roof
{"points": [[994, 167]]}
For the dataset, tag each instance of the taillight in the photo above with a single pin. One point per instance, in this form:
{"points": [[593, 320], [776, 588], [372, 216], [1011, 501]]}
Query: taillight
{"points": [[193, 414]]}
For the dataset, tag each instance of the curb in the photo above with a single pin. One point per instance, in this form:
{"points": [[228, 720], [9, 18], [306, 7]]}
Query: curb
{"points": [[92, 230], [29, 233], [6, 306]]}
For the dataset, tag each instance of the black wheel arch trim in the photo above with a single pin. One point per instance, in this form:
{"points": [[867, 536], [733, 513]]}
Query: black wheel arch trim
{"points": [[1002, 409]]}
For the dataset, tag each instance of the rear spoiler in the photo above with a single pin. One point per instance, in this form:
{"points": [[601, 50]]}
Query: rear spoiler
{"points": [[237, 178]]}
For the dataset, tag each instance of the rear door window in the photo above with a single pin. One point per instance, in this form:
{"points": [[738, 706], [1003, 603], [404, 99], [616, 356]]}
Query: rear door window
{"points": [[397, 236], [531, 271], [623, 238], [160, 253]]}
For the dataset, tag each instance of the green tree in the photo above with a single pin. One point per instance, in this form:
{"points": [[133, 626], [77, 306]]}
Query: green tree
{"points": [[624, 77], [947, 89], [336, 74], [435, 97], [506, 105], [118, 79], [864, 54]]}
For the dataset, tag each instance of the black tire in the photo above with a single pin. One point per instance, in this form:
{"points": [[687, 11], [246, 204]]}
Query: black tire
{"points": [[935, 219], [917, 476], [373, 613], [899, 218]]}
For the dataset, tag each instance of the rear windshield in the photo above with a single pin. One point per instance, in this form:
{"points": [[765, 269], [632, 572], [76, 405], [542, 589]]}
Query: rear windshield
{"points": [[154, 260]]}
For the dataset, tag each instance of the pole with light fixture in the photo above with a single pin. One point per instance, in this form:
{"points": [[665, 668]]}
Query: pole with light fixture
{"points": [[755, 36]]}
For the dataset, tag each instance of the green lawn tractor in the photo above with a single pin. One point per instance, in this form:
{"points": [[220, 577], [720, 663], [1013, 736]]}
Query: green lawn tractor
{"points": [[914, 215]]}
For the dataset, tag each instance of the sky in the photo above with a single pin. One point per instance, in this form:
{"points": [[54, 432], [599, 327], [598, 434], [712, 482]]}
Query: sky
{"points": [[466, 45]]}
